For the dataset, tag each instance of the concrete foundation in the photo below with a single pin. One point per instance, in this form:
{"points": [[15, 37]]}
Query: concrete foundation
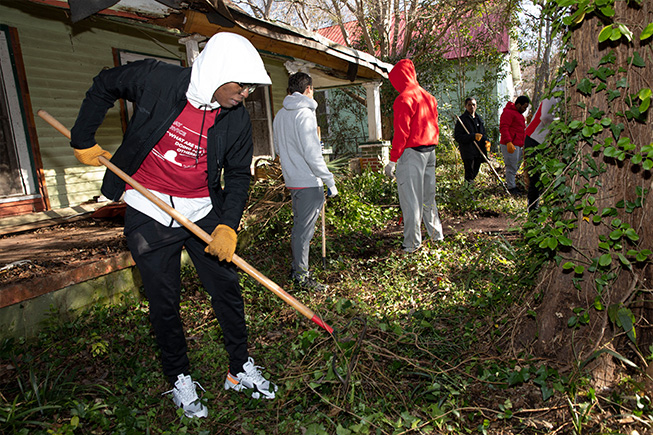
{"points": [[26, 307]]}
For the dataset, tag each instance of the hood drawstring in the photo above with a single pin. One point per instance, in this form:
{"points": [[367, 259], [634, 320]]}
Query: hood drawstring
{"points": [[199, 142]]}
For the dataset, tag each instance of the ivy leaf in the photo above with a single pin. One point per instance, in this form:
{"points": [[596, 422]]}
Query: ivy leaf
{"points": [[645, 96], [571, 322], [648, 31], [579, 270], [605, 260], [625, 31], [585, 86], [632, 234], [571, 66], [637, 159], [624, 142], [648, 150], [647, 165], [633, 113], [564, 241], [574, 124], [608, 11], [637, 60], [605, 33], [568, 265], [547, 392], [609, 151], [608, 58], [624, 260], [617, 129], [615, 34], [627, 320], [622, 83], [598, 305], [616, 234], [613, 94]]}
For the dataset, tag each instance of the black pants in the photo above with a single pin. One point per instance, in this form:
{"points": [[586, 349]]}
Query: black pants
{"points": [[472, 166], [533, 175], [156, 249]]}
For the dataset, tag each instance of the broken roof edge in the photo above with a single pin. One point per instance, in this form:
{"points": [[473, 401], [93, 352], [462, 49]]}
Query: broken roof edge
{"points": [[276, 31], [286, 34], [329, 44]]}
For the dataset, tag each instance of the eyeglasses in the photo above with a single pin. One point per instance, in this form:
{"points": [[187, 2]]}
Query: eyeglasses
{"points": [[249, 87]]}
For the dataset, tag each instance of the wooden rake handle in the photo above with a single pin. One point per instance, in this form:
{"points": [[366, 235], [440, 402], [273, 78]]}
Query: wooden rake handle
{"points": [[192, 227]]}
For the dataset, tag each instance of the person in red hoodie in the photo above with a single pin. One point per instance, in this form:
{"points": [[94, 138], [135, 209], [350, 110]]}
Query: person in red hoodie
{"points": [[512, 125], [416, 134]]}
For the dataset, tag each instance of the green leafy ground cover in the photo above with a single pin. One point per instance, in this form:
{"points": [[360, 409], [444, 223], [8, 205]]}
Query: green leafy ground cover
{"points": [[423, 341]]}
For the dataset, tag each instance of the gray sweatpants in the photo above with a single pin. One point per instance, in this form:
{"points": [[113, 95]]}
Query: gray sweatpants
{"points": [[416, 186], [306, 207], [512, 161]]}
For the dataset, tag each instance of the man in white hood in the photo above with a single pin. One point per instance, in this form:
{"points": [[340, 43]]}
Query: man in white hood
{"points": [[189, 129], [304, 171]]}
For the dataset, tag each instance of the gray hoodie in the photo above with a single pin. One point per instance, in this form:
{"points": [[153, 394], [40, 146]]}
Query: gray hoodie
{"points": [[297, 145]]}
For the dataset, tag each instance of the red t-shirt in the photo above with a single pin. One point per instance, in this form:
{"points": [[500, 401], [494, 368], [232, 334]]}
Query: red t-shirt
{"points": [[176, 165]]}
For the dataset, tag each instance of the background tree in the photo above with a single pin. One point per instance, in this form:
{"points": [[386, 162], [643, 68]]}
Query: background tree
{"points": [[593, 300], [539, 46]]}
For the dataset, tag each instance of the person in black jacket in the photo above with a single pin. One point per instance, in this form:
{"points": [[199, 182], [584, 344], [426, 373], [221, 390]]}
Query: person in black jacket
{"points": [[189, 129], [472, 131]]}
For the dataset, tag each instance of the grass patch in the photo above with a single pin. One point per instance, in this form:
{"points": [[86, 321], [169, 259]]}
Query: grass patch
{"points": [[422, 342]]}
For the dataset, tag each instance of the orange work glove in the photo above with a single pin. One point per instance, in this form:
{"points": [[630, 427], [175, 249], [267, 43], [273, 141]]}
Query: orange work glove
{"points": [[511, 147], [89, 156], [478, 137], [488, 145], [223, 244]]}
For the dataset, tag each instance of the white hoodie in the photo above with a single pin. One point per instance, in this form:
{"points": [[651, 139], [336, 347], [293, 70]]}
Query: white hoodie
{"points": [[297, 144], [227, 57]]}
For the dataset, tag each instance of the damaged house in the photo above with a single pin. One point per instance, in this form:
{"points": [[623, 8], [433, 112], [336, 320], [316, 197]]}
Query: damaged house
{"points": [[50, 50]]}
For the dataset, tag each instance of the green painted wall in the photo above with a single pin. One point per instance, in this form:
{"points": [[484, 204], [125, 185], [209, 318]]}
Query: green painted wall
{"points": [[61, 60], [279, 77]]}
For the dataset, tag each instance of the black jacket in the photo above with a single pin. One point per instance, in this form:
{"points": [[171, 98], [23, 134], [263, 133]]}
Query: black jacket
{"points": [[466, 140], [158, 91]]}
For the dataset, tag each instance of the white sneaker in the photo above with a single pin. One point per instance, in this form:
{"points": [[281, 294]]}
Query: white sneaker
{"points": [[251, 379], [185, 396]]}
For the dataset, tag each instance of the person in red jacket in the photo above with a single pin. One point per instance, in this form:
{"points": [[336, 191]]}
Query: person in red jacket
{"points": [[512, 125], [416, 134]]}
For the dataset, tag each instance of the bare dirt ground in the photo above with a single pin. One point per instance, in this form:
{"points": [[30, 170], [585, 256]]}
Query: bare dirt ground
{"points": [[58, 248], [61, 247]]}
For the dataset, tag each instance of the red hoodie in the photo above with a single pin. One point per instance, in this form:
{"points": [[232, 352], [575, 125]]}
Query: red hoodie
{"points": [[415, 111], [512, 125]]}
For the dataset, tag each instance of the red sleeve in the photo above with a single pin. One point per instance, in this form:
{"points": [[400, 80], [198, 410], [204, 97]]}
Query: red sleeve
{"points": [[403, 114]]}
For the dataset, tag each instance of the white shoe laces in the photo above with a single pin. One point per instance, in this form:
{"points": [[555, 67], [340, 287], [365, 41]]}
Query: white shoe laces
{"points": [[254, 372], [186, 391]]}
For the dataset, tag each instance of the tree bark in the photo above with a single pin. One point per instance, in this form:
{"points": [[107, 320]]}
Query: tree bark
{"points": [[561, 290]]}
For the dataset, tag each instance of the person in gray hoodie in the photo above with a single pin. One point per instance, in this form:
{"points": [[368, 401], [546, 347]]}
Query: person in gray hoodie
{"points": [[305, 173]]}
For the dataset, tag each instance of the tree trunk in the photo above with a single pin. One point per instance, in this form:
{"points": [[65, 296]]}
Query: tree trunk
{"points": [[561, 289]]}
